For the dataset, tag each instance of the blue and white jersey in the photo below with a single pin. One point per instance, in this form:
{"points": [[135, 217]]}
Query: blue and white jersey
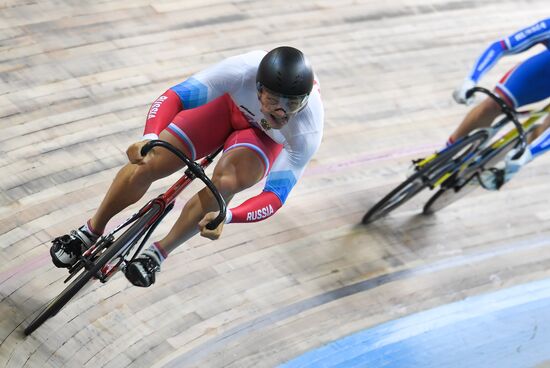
{"points": [[513, 44]]}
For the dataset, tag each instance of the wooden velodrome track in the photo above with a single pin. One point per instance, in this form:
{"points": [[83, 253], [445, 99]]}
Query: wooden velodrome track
{"points": [[76, 81]]}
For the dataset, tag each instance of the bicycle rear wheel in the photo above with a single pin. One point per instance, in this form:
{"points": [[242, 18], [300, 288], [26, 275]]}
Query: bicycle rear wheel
{"points": [[54, 306], [446, 161]]}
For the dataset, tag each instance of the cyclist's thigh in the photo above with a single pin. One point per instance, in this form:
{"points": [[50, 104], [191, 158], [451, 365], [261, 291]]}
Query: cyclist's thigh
{"points": [[160, 162], [528, 82], [201, 130], [257, 144]]}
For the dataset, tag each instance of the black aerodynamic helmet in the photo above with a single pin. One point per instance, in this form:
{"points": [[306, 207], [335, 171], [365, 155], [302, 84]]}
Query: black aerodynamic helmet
{"points": [[285, 71]]}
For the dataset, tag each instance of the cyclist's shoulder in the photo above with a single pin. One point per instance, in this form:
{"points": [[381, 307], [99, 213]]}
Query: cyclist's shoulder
{"points": [[308, 127], [315, 106]]}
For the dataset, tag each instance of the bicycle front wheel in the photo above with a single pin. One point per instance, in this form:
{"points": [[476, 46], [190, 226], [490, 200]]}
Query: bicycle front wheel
{"points": [[443, 165], [54, 306]]}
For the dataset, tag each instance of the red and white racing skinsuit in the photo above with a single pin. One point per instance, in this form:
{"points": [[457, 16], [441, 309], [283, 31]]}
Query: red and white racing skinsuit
{"points": [[219, 106]]}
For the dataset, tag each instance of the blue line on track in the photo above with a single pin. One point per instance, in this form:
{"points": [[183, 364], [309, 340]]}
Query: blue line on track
{"points": [[509, 328]]}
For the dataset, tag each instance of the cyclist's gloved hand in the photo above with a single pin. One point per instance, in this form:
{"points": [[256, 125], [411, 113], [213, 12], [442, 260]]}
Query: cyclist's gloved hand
{"points": [[495, 177], [459, 94], [514, 165], [134, 152]]}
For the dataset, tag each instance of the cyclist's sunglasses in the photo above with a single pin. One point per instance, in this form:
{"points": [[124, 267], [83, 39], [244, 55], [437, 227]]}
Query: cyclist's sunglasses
{"points": [[273, 101]]}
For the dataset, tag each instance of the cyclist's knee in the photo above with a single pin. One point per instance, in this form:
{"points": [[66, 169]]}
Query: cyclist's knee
{"points": [[150, 170], [142, 174], [231, 178], [228, 184]]}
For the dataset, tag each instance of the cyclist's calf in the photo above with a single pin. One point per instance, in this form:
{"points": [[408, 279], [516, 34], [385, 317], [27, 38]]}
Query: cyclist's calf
{"points": [[131, 183]]}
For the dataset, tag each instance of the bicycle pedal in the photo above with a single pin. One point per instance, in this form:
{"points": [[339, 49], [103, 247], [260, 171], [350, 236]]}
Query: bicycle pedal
{"points": [[64, 239]]}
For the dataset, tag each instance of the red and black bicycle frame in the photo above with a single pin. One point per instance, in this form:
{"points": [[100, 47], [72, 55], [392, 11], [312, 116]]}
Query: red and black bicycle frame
{"points": [[154, 211]]}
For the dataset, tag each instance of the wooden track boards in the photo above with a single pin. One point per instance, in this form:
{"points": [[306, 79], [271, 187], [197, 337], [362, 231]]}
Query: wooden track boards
{"points": [[76, 80]]}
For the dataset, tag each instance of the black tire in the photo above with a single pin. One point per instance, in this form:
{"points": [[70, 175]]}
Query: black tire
{"points": [[55, 305], [446, 161]]}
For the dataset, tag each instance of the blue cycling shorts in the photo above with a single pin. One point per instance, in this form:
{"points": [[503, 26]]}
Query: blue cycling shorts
{"points": [[528, 82]]}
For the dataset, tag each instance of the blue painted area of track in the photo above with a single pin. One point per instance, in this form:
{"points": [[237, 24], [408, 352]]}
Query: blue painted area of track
{"points": [[509, 328]]}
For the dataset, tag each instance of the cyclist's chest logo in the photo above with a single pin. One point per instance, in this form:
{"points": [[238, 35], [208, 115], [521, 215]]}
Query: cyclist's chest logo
{"points": [[265, 124]]}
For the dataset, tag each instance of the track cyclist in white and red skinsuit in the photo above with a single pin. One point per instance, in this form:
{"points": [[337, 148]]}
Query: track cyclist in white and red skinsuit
{"points": [[526, 83], [265, 109]]}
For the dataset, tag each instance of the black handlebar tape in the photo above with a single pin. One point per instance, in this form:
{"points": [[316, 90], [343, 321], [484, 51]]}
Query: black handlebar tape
{"points": [[146, 148], [198, 172], [215, 223]]}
